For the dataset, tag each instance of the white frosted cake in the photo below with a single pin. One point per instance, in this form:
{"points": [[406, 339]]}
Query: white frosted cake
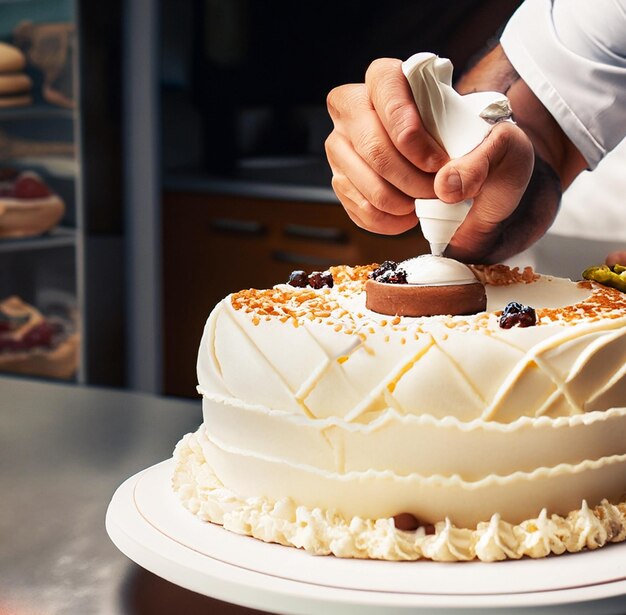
{"points": [[339, 430]]}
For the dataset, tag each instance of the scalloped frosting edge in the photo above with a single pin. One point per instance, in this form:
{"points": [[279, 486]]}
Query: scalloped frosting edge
{"points": [[391, 414], [325, 532]]}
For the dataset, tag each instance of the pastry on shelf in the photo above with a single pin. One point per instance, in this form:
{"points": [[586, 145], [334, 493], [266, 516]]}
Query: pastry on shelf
{"points": [[32, 344], [27, 205], [15, 85], [12, 148]]}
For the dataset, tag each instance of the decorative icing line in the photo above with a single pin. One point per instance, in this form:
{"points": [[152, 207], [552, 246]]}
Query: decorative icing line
{"points": [[325, 532]]}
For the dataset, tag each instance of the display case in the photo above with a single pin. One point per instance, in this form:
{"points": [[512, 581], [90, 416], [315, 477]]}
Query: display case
{"points": [[61, 239]]}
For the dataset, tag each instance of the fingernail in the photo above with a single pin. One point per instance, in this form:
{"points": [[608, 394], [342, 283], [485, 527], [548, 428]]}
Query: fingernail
{"points": [[454, 183]]}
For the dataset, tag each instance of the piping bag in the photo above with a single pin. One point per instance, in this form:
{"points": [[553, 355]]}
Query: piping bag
{"points": [[459, 124]]}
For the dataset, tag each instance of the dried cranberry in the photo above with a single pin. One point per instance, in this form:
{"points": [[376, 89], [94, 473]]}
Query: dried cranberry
{"points": [[517, 314], [397, 276], [298, 278], [327, 279], [512, 308], [382, 269], [316, 279]]}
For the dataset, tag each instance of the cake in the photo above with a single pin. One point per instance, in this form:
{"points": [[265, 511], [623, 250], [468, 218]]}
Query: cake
{"points": [[336, 429], [36, 345], [27, 205]]}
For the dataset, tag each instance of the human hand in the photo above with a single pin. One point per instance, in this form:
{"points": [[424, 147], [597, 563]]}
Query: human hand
{"points": [[616, 258], [381, 155], [382, 158], [495, 174]]}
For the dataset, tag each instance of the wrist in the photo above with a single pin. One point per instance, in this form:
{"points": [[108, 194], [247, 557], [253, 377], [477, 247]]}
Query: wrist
{"points": [[550, 142], [494, 72]]}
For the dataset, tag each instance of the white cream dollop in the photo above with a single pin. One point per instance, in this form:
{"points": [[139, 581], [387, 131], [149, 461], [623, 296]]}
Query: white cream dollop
{"points": [[429, 270]]}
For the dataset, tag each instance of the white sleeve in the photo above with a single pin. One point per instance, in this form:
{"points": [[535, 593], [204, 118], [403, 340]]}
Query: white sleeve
{"points": [[572, 55]]}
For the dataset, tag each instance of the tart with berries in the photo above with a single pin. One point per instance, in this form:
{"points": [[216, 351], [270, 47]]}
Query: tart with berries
{"points": [[27, 205], [32, 344], [390, 291]]}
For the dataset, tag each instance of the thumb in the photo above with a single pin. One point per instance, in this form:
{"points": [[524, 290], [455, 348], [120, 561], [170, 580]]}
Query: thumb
{"points": [[465, 177], [616, 258]]}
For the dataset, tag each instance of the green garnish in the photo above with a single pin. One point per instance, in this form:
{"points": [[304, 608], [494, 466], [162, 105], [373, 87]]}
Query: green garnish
{"points": [[615, 276]]}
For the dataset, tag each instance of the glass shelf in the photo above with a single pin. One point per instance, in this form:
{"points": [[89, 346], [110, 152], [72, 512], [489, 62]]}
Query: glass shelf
{"points": [[57, 238], [62, 167], [36, 112]]}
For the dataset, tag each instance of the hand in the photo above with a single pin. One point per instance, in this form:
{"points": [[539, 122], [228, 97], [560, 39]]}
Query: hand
{"points": [[381, 155], [382, 158], [496, 174]]}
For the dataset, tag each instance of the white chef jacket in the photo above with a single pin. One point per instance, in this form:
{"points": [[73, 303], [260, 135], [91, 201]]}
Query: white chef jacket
{"points": [[572, 55]]}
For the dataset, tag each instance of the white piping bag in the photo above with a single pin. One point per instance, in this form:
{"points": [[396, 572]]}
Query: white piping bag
{"points": [[459, 124]]}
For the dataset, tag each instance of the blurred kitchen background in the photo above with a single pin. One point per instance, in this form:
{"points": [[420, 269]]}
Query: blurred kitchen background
{"points": [[155, 156]]}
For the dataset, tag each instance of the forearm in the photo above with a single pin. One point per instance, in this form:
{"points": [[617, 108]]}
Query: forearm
{"points": [[495, 72]]}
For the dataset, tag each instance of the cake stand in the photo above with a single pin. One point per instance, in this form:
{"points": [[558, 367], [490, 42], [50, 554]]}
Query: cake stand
{"points": [[147, 522]]}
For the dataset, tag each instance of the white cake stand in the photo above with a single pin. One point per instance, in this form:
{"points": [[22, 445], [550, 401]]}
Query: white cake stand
{"points": [[147, 523]]}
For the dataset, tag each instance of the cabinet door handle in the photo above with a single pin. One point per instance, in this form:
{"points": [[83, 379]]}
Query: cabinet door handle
{"points": [[240, 227], [319, 233], [297, 257]]}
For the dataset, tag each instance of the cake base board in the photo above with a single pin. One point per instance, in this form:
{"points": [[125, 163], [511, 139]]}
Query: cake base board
{"points": [[147, 523]]}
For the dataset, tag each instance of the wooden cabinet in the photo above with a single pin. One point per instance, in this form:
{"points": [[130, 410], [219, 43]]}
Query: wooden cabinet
{"points": [[214, 245]]}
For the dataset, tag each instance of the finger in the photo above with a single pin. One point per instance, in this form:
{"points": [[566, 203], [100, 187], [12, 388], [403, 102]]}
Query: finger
{"points": [[496, 174], [373, 145], [523, 227], [499, 170], [532, 218], [377, 191], [346, 101], [506, 149], [616, 258], [355, 118], [366, 216], [462, 178], [393, 101]]}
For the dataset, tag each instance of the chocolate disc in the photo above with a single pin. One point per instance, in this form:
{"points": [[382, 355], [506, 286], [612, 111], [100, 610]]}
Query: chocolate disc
{"points": [[416, 300]]}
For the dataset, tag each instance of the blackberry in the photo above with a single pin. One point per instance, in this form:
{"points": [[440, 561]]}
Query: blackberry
{"points": [[396, 276], [518, 314], [382, 269], [298, 278], [327, 279]]}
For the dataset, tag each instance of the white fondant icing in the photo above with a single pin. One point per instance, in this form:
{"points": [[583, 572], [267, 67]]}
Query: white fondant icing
{"points": [[322, 531], [333, 423]]}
